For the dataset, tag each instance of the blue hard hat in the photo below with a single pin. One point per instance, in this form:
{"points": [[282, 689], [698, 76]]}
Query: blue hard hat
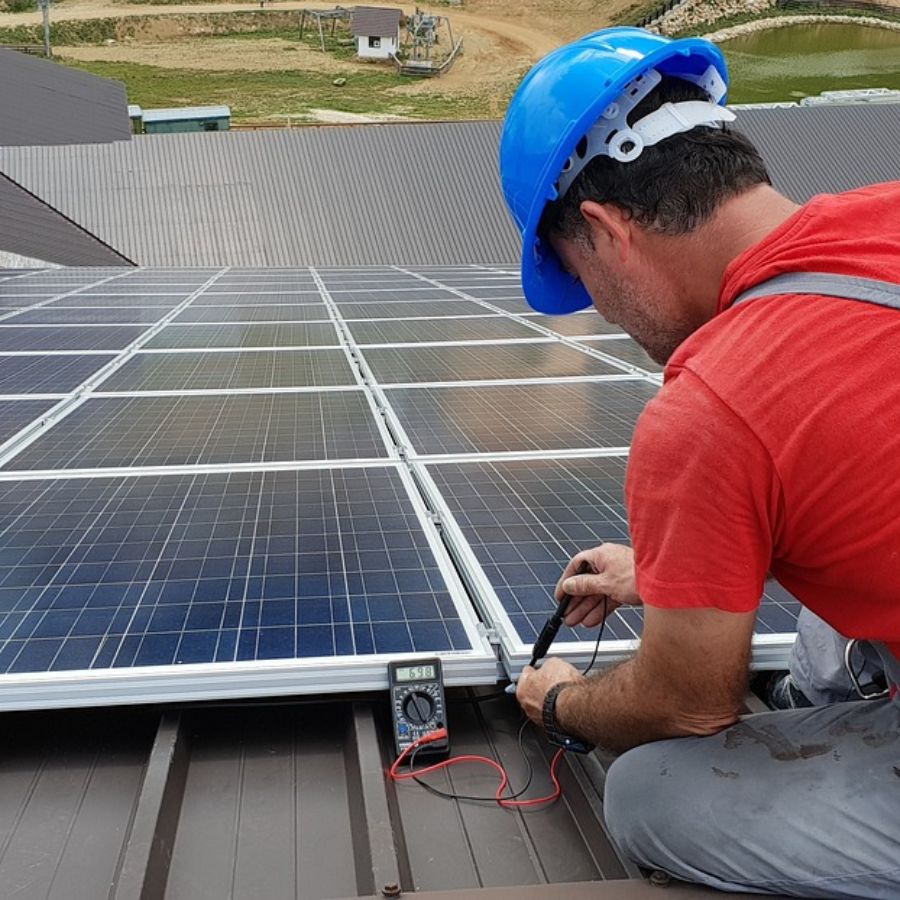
{"points": [[556, 105]]}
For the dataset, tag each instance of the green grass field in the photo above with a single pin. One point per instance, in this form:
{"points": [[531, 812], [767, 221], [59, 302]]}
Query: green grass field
{"points": [[260, 96]]}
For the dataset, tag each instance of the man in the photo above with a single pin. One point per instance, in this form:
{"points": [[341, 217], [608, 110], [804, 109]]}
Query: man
{"points": [[773, 447]]}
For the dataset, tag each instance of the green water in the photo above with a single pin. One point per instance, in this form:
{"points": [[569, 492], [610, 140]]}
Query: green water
{"points": [[802, 60]]}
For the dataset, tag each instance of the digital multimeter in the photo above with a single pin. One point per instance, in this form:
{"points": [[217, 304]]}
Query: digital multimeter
{"points": [[417, 704]]}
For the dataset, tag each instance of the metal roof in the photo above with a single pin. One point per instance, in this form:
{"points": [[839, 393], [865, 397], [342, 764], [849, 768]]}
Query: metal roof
{"points": [[290, 801], [385, 194], [186, 112], [46, 103], [417, 194], [31, 228], [375, 21]]}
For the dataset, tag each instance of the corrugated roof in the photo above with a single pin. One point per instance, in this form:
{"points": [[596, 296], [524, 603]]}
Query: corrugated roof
{"points": [[290, 801], [31, 228], [420, 194], [377, 21], [416, 194], [45, 103]]}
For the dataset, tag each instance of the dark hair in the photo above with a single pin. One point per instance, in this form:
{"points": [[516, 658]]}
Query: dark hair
{"points": [[673, 186]]}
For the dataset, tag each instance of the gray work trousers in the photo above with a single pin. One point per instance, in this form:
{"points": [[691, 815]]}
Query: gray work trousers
{"points": [[803, 802], [817, 662]]}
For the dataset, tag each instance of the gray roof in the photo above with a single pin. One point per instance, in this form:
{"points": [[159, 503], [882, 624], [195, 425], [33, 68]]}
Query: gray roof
{"points": [[417, 194], [29, 227], [291, 801], [373, 195], [377, 21], [46, 103]]}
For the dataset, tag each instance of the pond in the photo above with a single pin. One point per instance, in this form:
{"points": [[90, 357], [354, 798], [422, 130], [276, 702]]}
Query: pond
{"points": [[802, 60]]}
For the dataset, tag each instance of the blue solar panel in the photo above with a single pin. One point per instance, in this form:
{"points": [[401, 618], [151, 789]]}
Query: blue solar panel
{"points": [[47, 374], [201, 430], [149, 571], [226, 370], [16, 414], [526, 519], [48, 338]]}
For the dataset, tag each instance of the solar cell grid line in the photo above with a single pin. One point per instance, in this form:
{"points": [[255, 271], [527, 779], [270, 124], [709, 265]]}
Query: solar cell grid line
{"points": [[120, 301], [17, 414], [324, 566], [316, 312], [131, 432], [243, 336], [48, 373], [576, 326], [25, 338], [410, 309], [520, 521], [231, 369], [545, 359], [519, 418], [94, 284], [258, 299], [97, 316], [402, 331], [629, 351]]}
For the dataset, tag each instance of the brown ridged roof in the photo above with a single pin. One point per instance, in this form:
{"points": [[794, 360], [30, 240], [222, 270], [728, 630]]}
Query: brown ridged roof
{"points": [[377, 21]]}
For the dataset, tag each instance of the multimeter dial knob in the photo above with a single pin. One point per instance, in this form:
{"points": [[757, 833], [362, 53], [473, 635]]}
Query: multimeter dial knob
{"points": [[418, 707]]}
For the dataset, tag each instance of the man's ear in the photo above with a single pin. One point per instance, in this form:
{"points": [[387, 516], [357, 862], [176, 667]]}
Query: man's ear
{"points": [[610, 228]]}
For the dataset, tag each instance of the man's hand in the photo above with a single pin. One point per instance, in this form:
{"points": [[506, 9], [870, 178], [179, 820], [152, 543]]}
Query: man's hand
{"points": [[534, 684], [613, 579]]}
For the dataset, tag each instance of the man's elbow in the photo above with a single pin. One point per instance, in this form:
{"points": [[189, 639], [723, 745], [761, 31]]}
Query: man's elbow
{"points": [[704, 722]]}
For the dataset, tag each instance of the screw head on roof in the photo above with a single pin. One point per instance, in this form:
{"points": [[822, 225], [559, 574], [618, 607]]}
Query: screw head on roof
{"points": [[391, 889]]}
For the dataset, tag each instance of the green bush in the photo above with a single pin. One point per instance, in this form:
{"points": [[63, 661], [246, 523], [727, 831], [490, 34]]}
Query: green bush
{"points": [[18, 6]]}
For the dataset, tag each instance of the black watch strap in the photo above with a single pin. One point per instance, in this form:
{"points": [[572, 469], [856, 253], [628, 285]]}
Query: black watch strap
{"points": [[551, 727]]}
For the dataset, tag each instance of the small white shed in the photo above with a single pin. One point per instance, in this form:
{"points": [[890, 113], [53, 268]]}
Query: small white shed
{"points": [[377, 31]]}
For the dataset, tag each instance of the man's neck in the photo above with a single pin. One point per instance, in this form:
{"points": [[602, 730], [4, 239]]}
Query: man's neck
{"points": [[696, 262]]}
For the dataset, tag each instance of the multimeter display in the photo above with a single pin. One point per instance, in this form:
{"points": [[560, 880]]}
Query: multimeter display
{"points": [[415, 673], [417, 704]]}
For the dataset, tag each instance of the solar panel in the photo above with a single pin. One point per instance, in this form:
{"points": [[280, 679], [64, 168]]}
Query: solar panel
{"points": [[520, 418], [413, 293], [228, 515], [575, 326], [468, 363], [16, 414], [201, 430], [284, 334], [230, 370], [274, 313], [524, 520], [401, 331], [628, 351], [409, 310], [49, 338], [165, 301], [157, 571], [269, 298], [89, 315], [40, 374]]}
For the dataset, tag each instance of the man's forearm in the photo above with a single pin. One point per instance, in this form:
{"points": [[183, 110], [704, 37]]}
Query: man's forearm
{"points": [[621, 708]]}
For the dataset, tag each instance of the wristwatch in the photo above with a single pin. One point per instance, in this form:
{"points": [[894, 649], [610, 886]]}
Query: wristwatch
{"points": [[551, 728]]}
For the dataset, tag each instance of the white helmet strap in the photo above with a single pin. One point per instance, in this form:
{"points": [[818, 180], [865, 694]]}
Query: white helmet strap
{"points": [[612, 136]]}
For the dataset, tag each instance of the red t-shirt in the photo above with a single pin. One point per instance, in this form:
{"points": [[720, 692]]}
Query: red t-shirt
{"points": [[774, 444]]}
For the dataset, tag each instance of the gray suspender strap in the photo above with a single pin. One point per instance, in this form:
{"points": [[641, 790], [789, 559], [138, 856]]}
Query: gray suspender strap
{"points": [[849, 287]]}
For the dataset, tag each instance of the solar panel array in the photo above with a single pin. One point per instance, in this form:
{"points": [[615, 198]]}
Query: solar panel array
{"points": [[232, 482]]}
